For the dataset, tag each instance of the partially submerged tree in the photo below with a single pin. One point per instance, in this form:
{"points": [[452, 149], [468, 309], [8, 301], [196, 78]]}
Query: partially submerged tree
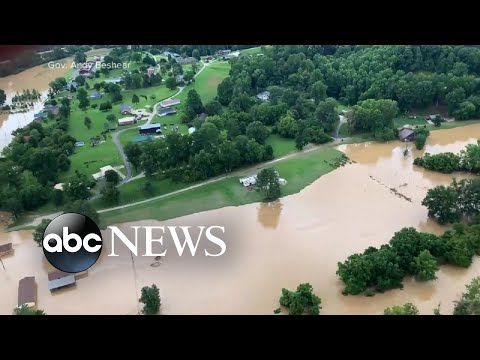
{"points": [[39, 230], [25, 310], [302, 301], [269, 183], [406, 309], [151, 300], [469, 303]]}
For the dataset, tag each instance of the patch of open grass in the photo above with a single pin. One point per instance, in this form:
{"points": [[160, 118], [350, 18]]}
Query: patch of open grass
{"points": [[281, 146], [405, 120]]}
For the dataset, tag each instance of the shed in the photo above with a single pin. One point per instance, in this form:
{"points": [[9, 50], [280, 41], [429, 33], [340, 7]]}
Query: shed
{"points": [[169, 102], [406, 134], [60, 279], [27, 291], [6, 249], [129, 120], [150, 129], [125, 109], [166, 111]]}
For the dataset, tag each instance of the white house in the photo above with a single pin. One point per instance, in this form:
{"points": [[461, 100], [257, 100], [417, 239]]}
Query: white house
{"points": [[264, 96]]}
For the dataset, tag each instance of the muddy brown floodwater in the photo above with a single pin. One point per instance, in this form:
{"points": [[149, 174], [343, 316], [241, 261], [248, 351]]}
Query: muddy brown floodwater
{"points": [[36, 78], [270, 246]]}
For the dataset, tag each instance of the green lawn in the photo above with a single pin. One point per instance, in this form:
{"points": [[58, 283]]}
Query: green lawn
{"points": [[344, 131], [280, 145], [299, 172], [159, 92], [342, 107], [453, 124], [404, 120], [252, 51]]}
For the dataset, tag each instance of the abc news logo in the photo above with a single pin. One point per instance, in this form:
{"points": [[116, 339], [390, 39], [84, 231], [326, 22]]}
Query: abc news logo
{"points": [[72, 242]]}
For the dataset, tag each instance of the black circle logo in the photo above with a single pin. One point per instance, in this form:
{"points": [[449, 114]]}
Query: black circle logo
{"points": [[72, 242]]}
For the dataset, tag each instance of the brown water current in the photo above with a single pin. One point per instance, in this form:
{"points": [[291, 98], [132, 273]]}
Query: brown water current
{"points": [[270, 246]]}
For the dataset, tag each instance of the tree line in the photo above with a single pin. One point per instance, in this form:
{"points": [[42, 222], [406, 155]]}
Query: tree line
{"points": [[468, 160]]}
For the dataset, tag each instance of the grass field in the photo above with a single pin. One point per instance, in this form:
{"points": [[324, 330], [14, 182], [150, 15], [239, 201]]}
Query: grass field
{"points": [[280, 145], [299, 172], [159, 92], [344, 131], [252, 51], [404, 120]]}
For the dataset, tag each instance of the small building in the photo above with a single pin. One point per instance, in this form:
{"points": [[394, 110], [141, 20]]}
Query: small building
{"points": [[27, 291], [191, 130], [406, 134], [6, 249], [40, 116], [60, 279], [169, 102], [59, 186], [172, 54], [129, 120], [95, 95], [150, 71], [166, 111], [249, 180], [125, 109], [116, 80], [264, 96], [223, 52], [431, 117], [80, 143], [150, 129], [186, 61]]}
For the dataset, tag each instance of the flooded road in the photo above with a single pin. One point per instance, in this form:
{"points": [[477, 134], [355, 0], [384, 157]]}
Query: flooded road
{"points": [[36, 78], [270, 246]]}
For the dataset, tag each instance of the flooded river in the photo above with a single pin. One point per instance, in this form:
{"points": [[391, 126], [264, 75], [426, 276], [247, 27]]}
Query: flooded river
{"points": [[270, 246], [36, 78]]}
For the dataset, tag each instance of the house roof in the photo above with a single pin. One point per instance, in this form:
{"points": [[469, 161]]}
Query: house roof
{"points": [[61, 282], [54, 275], [150, 126], [41, 114], [405, 133], [167, 110], [6, 248], [27, 291], [125, 107], [169, 102]]}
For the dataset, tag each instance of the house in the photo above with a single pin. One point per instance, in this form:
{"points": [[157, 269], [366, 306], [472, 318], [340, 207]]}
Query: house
{"points": [[166, 111], [172, 54], [169, 102], [95, 95], [125, 109], [6, 249], [180, 79], [59, 186], [431, 117], [60, 279], [150, 129], [72, 86], [102, 172], [186, 61], [264, 96], [129, 120], [406, 134], [80, 143], [223, 52], [191, 130], [27, 291], [40, 116]]}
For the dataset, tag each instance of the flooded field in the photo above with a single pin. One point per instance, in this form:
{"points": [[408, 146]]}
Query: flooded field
{"points": [[36, 78], [269, 246]]}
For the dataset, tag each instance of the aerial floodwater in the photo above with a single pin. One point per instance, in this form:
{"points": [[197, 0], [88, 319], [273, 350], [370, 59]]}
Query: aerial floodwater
{"points": [[36, 78], [298, 239]]}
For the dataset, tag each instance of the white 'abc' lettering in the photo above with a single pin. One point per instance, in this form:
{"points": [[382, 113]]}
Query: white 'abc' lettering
{"points": [[65, 242]]}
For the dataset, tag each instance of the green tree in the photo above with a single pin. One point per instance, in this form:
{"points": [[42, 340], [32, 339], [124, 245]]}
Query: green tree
{"points": [[268, 182], [196, 54], [326, 114], [420, 141], [287, 126], [3, 97], [63, 162], [257, 131], [58, 197], [150, 297], [425, 266], [80, 57], [135, 99], [111, 118], [469, 303], [213, 108], [194, 102], [77, 188], [80, 80], [302, 301], [171, 83], [25, 310], [87, 122], [134, 153], [39, 230], [82, 207], [442, 204], [105, 106], [112, 176], [437, 121], [110, 193], [225, 91], [318, 92], [466, 110], [406, 309]]}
